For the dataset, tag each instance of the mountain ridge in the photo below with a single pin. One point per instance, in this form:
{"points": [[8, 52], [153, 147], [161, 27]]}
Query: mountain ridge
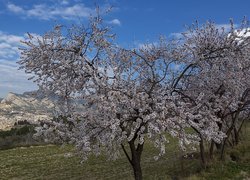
{"points": [[31, 106]]}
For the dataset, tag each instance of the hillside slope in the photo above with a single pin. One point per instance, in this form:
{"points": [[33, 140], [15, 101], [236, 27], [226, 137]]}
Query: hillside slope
{"points": [[30, 106]]}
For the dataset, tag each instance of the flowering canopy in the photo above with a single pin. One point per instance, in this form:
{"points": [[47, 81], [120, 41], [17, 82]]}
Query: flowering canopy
{"points": [[218, 66], [130, 96]]}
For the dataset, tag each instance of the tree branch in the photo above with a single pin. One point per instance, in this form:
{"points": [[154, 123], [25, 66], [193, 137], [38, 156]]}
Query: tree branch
{"points": [[124, 150]]}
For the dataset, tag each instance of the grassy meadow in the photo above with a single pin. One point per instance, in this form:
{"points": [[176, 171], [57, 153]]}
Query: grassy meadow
{"points": [[61, 162]]}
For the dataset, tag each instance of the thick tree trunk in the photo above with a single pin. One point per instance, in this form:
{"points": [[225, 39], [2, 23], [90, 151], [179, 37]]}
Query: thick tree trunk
{"points": [[135, 159], [137, 168]]}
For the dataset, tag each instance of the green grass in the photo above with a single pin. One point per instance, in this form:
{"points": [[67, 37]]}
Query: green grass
{"points": [[235, 166], [55, 162], [227, 170]]}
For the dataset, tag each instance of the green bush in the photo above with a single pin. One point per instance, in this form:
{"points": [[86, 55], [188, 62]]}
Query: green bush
{"points": [[23, 130], [19, 135]]}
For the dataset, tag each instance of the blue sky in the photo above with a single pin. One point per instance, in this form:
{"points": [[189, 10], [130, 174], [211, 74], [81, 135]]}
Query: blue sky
{"points": [[134, 21]]}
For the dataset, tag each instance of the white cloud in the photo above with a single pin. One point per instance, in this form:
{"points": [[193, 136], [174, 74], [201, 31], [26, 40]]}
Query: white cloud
{"points": [[9, 45], [64, 2], [176, 35], [244, 32], [147, 45], [12, 79], [226, 27], [14, 8], [46, 12], [115, 22]]}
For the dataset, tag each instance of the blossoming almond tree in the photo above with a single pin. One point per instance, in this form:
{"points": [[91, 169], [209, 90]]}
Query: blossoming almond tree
{"points": [[217, 65], [128, 96]]}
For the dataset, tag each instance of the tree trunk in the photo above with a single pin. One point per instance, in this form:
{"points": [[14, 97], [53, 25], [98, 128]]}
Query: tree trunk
{"points": [[202, 153], [222, 150], [218, 145], [234, 119], [211, 149], [236, 136], [224, 142], [135, 159], [237, 133], [137, 168], [202, 149]]}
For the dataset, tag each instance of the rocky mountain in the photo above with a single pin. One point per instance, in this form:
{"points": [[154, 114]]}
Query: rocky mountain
{"points": [[31, 106]]}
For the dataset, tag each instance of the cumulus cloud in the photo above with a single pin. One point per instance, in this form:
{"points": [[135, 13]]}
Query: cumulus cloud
{"points": [[115, 22], [9, 45], [46, 12], [14, 8], [12, 79]]}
